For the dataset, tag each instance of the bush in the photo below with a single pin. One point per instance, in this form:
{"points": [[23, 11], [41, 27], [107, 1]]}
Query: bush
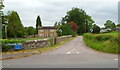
{"points": [[8, 45], [102, 42], [52, 42]]}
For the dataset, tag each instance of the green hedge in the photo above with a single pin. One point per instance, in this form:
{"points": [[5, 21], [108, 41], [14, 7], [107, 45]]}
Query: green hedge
{"points": [[8, 45], [102, 42]]}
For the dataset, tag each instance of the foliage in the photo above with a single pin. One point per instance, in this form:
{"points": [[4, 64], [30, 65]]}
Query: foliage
{"points": [[5, 19], [96, 29], [8, 44], [15, 27], [109, 24], [52, 41], [1, 5], [79, 16], [30, 30], [118, 25], [106, 42], [38, 23], [74, 26], [56, 24], [67, 30]]}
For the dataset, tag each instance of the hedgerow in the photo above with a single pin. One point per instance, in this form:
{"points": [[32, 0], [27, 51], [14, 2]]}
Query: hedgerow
{"points": [[103, 42], [8, 45]]}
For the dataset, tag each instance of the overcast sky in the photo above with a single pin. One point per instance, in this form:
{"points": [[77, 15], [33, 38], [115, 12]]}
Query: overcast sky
{"points": [[51, 11]]}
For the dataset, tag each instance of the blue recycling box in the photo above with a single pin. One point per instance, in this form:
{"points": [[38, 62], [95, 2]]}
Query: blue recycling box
{"points": [[17, 47]]}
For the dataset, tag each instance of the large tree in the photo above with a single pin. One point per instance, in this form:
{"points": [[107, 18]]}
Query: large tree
{"points": [[118, 25], [1, 4], [56, 24], [30, 30], [1, 14], [96, 29], [38, 23], [15, 27], [5, 19], [80, 17], [109, 24]]}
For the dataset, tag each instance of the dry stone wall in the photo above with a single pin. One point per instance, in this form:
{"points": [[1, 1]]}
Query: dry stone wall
{"points": [[34, 44], [61, 39]]}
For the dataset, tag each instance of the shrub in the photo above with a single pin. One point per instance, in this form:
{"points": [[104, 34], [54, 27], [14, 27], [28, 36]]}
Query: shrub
{"points": [[102, 42], [52, 41], [8, 45]]}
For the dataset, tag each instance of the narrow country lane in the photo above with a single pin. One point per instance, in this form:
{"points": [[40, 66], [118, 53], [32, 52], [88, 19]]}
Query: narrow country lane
{"points": [[74, 54]]}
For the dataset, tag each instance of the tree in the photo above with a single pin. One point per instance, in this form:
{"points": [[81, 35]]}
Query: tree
{"points": [[1, 4], [109, 24], [67, 30], [118, 25], [1, 14], [74, 26], [30, 30], [38, 23], [15, 27], [56, 24], [5, 19], [80, 17], [96, 29]]}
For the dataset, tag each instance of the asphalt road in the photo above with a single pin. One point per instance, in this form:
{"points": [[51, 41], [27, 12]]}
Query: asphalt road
{"points": [[74, 54]]}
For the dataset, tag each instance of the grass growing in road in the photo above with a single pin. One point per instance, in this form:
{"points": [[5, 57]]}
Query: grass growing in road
{"points": [[105, 42]]}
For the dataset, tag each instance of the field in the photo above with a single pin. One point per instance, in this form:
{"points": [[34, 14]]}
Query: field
{"points": [[104, 42]]}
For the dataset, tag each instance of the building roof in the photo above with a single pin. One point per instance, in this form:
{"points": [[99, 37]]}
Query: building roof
{"points": [[48, 27]]}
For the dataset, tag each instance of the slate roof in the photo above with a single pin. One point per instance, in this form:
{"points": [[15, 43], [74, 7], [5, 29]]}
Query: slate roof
{"points": [[48, 27]]}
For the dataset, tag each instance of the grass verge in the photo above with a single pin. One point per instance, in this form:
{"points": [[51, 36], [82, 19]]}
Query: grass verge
{"points": [[106, 42]]}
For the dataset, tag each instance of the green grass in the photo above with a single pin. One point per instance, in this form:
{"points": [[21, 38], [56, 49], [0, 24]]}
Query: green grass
{"points": [[104, 42]]}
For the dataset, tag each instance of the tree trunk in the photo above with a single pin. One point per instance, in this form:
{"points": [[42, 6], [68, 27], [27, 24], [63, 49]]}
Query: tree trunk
{"points": [[15, 36]]}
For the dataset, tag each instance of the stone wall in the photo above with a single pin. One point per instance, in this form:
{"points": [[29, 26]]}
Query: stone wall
{"points": [[44, 43], [62, 38], [34, 44]]}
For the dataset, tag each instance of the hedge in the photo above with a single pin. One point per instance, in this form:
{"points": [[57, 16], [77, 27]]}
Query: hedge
{"points": [[7, 45], [103, 42]]}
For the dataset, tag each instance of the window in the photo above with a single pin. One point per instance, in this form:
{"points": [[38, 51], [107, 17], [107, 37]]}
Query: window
{"points": [[51, 30], [41, 34], [41, 30], [52, 34]]}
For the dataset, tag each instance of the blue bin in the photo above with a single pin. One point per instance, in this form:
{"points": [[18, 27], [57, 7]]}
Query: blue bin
{"points": [[17, 47]]}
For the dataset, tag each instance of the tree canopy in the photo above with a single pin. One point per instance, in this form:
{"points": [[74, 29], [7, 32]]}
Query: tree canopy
{"points": [[109, 24], [80, 18], [30, 30], [38, 23], [74, 26], [15, 27], [96, 29]]}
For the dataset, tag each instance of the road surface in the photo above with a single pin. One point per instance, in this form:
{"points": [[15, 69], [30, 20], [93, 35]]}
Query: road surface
{"points": [[74, 54]]}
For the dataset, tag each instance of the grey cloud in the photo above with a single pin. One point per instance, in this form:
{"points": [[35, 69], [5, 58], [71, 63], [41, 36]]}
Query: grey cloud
{"points": [[50, 12]]}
